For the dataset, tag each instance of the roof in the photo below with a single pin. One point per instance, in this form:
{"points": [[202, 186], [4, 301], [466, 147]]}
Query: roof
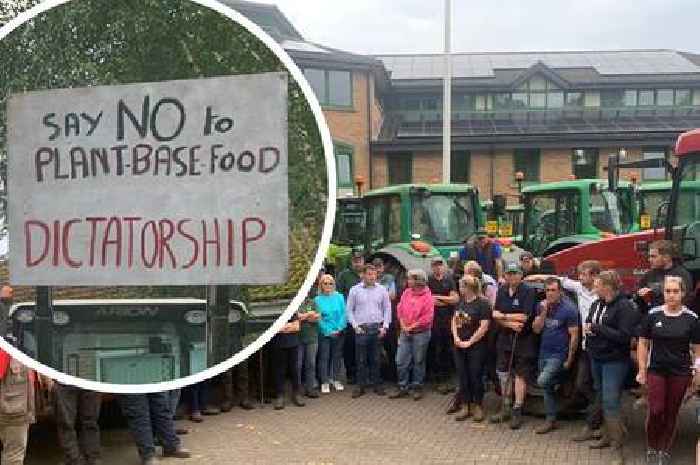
{"points": [[666, 186], [268, 17], [438, 188], [613, 63], [574, 184]]}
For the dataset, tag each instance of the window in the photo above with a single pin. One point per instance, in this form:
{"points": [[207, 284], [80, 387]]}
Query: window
{"points": [[394, 226], [527, 161], [501, 101], [400, 167], [630, 99], [664, 97], [646, 98], [683, 97], [332, 87], [653, 174], [519, 100], [585, 163], [555, 99], [574, 99], [538, 100], [344, 166], [339, 88], [459, 166], [611, 98], [463, 102]]}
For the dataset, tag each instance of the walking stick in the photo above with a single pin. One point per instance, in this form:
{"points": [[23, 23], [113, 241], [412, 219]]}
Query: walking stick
{"points": [[507, 389]]}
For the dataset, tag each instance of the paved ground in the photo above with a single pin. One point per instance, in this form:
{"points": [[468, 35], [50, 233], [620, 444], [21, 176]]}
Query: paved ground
{"points": [[372, 430]]}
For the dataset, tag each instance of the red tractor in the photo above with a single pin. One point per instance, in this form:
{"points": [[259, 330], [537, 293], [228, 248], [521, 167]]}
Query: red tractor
{"points": [[628, 253]]}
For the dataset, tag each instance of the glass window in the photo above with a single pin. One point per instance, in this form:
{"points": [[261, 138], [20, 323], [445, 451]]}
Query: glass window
{"points": [[550, 215], [606, 214], [501, 101], [538, 99], [317, 79], [683, 97], [664, 97], [394, 220], [459, 166], [646, 98], [376, 216], [555, 99], [538, 83], [442, 218], [519, 100], [340, 88], [527, 161], [331, 87], [430, 104], [585, 163], [463, 102], [574, 99], [343, 161], [410, 103], [630, 98], [611, 98], [481, 103], [653, 174], [400, 166]]}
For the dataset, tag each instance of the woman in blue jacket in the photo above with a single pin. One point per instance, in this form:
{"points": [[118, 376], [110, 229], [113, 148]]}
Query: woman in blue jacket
{"points": [[331, 305]]}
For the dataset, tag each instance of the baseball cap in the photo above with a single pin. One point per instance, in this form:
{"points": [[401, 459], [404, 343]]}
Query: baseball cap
{"points": [[437, 260], [526, 255], [357, 254], [513, 268]]}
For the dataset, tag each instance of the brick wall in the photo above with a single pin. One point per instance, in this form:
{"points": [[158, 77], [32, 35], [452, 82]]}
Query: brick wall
{"points": [[351, 126]]}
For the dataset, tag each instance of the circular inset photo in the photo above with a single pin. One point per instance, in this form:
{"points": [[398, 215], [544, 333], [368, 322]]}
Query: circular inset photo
{"points": [[167, 191]]}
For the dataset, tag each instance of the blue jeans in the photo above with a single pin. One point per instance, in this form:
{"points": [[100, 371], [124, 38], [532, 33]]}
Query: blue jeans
{"points": [[199, 396], [149, 415], [367, 347], [550, 371], [307, 360], [330, 355], [411, 353], [608, 381]]}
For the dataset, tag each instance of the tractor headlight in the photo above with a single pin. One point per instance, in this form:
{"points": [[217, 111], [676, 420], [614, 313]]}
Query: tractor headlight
{"points": [[60, 318], [196, 317], [25, 315]]}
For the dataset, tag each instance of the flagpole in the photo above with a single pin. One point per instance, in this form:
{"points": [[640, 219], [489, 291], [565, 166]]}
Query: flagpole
{"points": [[447, 96]]}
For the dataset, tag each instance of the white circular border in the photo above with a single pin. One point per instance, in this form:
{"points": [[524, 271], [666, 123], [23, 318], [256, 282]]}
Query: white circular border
{"points": [[310, 277]]}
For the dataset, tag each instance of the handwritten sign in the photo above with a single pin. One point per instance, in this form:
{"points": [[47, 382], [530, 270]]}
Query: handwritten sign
{"points": [[180, 182], [492, 228]]}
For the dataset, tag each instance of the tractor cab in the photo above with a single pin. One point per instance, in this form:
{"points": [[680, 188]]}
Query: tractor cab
{"points": [[563, 214], [410, 224]]}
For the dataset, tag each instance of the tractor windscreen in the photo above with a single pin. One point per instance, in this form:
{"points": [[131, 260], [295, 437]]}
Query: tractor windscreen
{"points": [[550, 215], [443, 218], [349, 222]]}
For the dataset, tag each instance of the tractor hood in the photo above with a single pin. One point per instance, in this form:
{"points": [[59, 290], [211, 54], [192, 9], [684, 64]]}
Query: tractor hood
{"points": [[626, 254], [405, 254]]}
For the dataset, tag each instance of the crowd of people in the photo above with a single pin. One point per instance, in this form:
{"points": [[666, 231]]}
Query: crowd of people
{"points": [[456, 322]]}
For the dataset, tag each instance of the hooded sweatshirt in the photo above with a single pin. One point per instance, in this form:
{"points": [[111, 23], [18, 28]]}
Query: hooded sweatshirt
{"points": [[416, 306]]}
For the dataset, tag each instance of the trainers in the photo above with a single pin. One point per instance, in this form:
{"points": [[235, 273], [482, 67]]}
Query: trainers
{"points": [[379, 390], [664, 458], [279, 403], [652, 457], [210, 411], [477, 413], [399, 393], [312, 394], [150, 461], [246, 404], [196, 417], [516, 420], [502, 416], [325, 388], [358, 392], [464, 414], [547, 427], [338, 386], [586, 434]]}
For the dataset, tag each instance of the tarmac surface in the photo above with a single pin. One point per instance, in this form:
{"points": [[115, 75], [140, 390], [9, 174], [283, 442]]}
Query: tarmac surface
{"points": [[336, 429]]}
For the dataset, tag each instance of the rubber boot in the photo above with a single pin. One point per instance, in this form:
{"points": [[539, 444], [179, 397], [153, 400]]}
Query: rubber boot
{"points": [[464, 414], [296, 399], [227, 403], [477, 413], [503, 415], [616, 431]]}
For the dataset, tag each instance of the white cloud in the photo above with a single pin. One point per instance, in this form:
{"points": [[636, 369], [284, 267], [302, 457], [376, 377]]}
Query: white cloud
{"points": [[411, 26]]}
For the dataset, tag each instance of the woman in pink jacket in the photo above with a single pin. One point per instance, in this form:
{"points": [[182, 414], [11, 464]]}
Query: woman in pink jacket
{"points": [[415, 315]]}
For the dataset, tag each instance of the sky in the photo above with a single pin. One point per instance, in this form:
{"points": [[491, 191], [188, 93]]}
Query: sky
{"points": [[416, 26]]}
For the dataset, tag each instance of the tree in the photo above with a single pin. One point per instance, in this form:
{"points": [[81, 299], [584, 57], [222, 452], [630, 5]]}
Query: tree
{"points": [[106, 42]]}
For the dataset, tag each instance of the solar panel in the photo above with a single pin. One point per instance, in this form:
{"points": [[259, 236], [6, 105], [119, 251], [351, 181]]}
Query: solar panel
{"points": [[612, 63]]}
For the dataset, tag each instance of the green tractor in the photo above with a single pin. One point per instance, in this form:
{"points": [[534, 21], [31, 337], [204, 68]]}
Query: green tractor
{"points": [[653, 202], [409, 225], [559, 215], [348, 232]]}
